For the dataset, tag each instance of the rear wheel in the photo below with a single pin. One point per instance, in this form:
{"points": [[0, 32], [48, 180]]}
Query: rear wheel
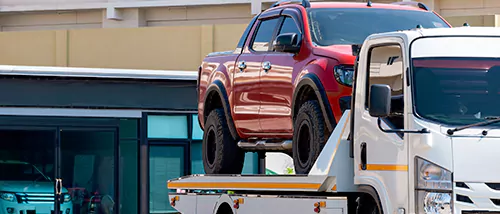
{"points": [[309, 136], [221, 154]]}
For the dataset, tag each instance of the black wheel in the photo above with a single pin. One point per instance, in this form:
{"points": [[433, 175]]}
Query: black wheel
{"points": [[367, 205], [221, 154], [309, 136]]}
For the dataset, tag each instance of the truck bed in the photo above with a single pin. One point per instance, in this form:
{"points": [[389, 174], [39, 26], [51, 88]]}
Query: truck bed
{"points": [[332, 172]]}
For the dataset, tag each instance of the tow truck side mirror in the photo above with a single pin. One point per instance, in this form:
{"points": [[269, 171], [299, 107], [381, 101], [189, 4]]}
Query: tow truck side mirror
{"points": [[287, 42], [380, 100]]}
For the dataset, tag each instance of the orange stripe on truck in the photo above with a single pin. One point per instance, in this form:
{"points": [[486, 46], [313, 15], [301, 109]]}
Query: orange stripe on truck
{"points": [[241, 185], [385, 167]]}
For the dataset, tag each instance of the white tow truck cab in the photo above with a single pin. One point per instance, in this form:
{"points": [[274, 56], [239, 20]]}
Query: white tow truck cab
{"points": [[421, 136]]}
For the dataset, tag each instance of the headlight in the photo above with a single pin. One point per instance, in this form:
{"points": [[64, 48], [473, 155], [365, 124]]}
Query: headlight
{"points": [[8, 196], [433, 187], [67, 197], [344, 74]]}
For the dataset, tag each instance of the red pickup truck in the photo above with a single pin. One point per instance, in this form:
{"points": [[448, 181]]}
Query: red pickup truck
{"points": [[289, 79]]}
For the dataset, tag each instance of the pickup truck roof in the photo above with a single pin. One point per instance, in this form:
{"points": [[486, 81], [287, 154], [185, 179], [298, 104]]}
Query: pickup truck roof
{"points": [[361, 5]]}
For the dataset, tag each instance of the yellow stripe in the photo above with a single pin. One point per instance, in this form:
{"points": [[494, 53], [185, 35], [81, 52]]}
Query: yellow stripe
{"points": [[239, 185], [385, 167]]}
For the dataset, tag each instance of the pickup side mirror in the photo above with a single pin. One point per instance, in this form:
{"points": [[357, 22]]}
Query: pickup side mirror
{"points": [[287, 42], [380, 100]]}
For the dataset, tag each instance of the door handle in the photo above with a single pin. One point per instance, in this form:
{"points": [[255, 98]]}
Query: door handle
{"points": [[266, 66], [242, 65], [58, 186]]}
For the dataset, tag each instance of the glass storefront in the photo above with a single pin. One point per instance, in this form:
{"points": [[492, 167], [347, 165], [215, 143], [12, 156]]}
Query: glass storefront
{"points": [[93, 165], [174, 151]]}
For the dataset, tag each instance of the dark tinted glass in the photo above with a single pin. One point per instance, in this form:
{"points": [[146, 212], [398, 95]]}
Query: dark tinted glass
{"points": [[289, 26], [345, 26], [264, 35], [244, 36], [457, 91]]}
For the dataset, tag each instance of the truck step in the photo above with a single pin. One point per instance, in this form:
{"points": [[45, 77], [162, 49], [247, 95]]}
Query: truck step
{"points": [[266, 145]]}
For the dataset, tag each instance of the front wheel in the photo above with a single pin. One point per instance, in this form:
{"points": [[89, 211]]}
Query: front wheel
{"points": [[221, 154], [309, 136]]}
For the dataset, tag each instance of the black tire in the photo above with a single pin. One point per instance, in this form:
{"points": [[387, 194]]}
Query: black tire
{"points": [[309, 136], [367, 205], [221, 154]]}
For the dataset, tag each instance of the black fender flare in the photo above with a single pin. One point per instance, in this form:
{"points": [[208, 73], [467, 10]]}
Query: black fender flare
{"points": [[219, 88], [373, 193], [313, 81]]}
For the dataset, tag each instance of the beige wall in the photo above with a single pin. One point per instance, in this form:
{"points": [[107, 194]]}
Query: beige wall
{"points": [[170, 38], [166, 48]]}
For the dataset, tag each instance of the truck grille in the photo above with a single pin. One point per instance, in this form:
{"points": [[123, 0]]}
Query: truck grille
{"points": [[478, 198], [32, 198]]}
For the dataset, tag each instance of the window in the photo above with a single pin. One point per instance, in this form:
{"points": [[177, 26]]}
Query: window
{"points": [[250, 166], [129, 144], [165, 163], [264, 35], [289, 26], [345, 26], [197, 131], [244, 36], [386, 67], [167, 126]]}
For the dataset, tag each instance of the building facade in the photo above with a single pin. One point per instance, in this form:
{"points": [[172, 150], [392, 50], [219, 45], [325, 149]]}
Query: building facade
{"points": [[152, 34]]}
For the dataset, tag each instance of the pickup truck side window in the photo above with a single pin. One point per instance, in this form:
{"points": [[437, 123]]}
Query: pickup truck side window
{"points": [[264, 35], [386, 67], [289, 26], [244, 36]]}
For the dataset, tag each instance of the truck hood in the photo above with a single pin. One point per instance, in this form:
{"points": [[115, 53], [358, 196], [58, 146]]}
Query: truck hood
{"points": [[342, 53], [27, 187], [475, 159]]}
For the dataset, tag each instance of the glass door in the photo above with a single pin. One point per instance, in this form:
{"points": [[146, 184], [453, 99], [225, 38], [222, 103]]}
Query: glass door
{"points": [[86, 171], [27, 183]]}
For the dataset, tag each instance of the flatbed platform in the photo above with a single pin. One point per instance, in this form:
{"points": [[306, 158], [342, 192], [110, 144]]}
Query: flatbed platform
{"points": [[332, 172]]}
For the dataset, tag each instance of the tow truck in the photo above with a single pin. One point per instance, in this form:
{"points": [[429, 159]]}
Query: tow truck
{"points": [[421, 136]]}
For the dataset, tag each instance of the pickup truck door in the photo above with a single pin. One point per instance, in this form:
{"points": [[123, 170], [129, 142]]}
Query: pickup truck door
{"points": [[246, 91], [276, 83]]}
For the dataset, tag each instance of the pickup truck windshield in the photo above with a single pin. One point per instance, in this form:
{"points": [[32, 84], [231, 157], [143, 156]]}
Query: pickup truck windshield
{"points": [[457, 90], [13, 171], [347, 26]]}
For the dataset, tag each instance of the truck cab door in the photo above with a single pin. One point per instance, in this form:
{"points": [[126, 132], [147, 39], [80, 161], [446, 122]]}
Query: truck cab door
{"points": [[246, 79], [276, 81], [381, 158]]}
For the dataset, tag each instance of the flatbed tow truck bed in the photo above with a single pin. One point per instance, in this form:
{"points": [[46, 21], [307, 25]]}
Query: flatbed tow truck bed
{"points": [[332, 173]]}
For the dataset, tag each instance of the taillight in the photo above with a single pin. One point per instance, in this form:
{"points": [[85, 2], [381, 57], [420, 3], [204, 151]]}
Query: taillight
{"points": [[344, 74]]}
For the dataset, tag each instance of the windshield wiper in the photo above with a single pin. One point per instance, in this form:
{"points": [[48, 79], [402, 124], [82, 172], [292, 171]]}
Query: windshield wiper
{"points": [[489, 120]]}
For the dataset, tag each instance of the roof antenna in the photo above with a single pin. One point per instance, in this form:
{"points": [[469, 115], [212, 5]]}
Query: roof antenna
{"points": [[419, 27], [369, 3], [466, 24]]}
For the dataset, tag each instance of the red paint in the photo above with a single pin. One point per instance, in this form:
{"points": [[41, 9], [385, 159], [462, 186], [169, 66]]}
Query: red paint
{"points": [[260, 102]]}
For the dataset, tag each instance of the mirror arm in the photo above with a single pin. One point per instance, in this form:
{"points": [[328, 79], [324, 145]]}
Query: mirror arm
{"points": [[379, 123]]}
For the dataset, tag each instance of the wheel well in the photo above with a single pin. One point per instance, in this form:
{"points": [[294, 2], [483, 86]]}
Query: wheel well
{"points": [[224, 208], [212, 102], [305, 94]]}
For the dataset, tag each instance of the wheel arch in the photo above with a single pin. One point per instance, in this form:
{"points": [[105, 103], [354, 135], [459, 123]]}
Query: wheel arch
{"points": [[215, 97], [222, 202], [372, 192], [311, 83]]}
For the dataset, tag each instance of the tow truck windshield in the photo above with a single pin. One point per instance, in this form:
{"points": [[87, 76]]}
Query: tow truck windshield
{"points": [[347, 26], [457, 91]]}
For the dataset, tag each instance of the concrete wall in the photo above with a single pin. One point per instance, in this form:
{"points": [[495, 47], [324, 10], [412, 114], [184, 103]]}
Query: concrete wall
{"points": [[153, 34], [166, 48]]}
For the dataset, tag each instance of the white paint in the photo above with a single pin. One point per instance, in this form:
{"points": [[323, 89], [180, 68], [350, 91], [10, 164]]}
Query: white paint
{"points": [[457, 47], [97, 72], [278, 162]]}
